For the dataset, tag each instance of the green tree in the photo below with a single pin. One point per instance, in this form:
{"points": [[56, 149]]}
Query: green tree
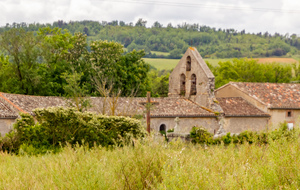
{"points": [[141, 22], [62, 52], [160, 83], [132, 74], [104, 57], [75, 91], [126, 72], [248, 70], [22, 49]]}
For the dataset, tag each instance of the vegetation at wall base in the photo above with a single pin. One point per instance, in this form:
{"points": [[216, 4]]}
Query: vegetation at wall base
{"points": [[200, 135]]}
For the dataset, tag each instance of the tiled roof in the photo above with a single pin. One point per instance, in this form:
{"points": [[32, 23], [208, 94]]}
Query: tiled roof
{"points": [[178, 107], [237, 106], [6, 112], [29, 103], [274, 95], [163, 107]]}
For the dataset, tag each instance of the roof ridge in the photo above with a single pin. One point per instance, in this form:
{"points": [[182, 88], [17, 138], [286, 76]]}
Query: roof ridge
{"points": [[201, 62], [205, 108], [279, 83], [223, 86], [12, 104], [7, 108]]}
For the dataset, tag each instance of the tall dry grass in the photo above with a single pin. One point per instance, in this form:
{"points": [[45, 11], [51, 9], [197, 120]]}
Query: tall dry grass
{"points": [[156, 165]]}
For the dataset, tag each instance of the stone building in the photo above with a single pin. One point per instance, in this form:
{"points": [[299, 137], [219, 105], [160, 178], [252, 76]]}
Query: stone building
{"points": [[192, 101], [191, 79], [280, 100], [240, 115], [7, 118]]}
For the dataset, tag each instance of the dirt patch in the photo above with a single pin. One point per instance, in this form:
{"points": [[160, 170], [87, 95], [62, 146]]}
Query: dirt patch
{"points": [[277, 60]]}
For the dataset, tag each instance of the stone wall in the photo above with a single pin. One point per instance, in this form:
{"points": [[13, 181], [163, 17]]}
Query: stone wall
{"points": [[185, 124], [281, 115], [6, 125], [205, 81], [240, 124]]}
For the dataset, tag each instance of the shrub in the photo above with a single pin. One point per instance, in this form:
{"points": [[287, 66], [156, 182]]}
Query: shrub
{"points": [[170, 131], [227, 139], [58, 126], [200, 136], [247, 136], [283, 132]]}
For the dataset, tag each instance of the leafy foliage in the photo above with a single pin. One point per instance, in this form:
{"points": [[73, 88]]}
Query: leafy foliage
{"points": [[42, 64], [201, 136], [160, 82], [248, 70], [210, 41], [57, 127]]}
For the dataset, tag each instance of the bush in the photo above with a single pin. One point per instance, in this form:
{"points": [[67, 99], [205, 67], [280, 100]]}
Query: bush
{"points": [[57, 127], [201, 136]]}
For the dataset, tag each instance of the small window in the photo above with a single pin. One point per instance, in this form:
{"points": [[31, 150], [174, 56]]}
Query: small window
{"points": [[188, 63], [193, 85], [289, 113], [163, 129], [182, 85]]}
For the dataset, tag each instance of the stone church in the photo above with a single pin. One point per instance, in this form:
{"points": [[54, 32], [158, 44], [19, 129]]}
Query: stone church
{"points": [[192, 101]]}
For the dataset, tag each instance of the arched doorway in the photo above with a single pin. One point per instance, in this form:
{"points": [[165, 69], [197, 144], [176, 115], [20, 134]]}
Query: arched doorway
{"points": [[163, 128]]}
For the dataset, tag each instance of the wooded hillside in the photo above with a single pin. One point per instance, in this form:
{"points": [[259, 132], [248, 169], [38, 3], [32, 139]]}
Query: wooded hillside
{"points": [[210, 42]]}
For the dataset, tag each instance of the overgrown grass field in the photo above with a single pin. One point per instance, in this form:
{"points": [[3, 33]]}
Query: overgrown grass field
{"points": [[151, 164]]}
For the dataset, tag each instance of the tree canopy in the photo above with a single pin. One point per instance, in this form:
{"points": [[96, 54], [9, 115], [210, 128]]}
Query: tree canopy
{"points": [[211, 42], [44, 63]]}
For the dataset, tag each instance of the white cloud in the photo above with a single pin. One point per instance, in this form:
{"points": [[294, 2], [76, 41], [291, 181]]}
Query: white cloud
{"points": [[251, 15]]}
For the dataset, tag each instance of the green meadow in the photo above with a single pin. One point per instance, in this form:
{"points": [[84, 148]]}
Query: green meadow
{"points": [[160, 53], [162, 64], [169, 64]]}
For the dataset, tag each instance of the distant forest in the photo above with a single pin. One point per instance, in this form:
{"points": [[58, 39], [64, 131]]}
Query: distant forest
{"points": [[210, 42]]}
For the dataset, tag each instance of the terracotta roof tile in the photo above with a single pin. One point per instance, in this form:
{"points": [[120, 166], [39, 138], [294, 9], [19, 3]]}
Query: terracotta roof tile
{"points": [[237, 106], [166, 107], [6, 112], [274, 95], [29, 103]]}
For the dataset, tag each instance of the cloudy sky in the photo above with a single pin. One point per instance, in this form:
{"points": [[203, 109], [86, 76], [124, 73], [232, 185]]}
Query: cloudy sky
{"points": [[252, 15]]}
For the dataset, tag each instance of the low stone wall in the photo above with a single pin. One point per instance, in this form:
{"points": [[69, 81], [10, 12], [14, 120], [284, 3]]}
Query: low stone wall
{"points": [[185, 137], [186, 124]]}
